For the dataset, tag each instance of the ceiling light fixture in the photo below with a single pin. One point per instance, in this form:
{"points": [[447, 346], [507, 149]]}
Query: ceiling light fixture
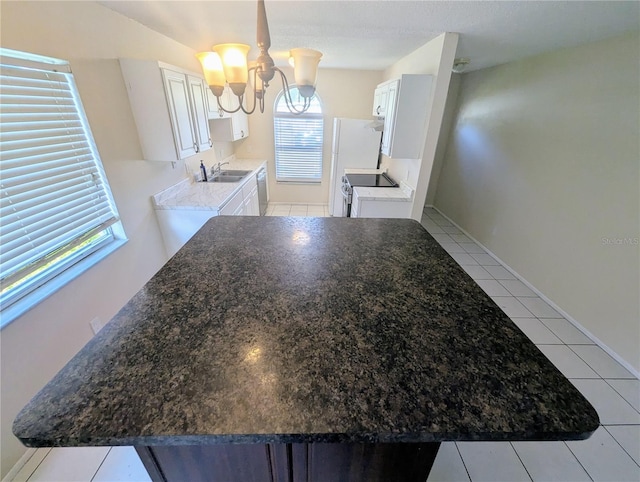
{"points": [[227, 63]]}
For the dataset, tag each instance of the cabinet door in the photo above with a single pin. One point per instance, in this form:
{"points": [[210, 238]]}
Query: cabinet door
{"points": [[255, 202], [214, 112], [240, 124], [380, 97], [229, 127], [389, 119], [180, 111], [241, 210], [199, 110], [233, 205]]}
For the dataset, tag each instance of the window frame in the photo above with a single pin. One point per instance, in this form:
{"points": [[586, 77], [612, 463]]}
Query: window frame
{"points": [[318, 149], [50, 269]]}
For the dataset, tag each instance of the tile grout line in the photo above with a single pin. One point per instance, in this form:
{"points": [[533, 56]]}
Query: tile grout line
{"points": [[625, 450], [100, 464], [578, 460], [462, 458], [615, 390], [39, 464], [523, 465], [602, 376]]}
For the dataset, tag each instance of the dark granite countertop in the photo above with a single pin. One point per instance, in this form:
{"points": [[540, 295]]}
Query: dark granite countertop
{"points": [[281, 329]]}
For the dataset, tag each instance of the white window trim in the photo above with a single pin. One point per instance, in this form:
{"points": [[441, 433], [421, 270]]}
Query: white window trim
{"points": [[63, 273]]}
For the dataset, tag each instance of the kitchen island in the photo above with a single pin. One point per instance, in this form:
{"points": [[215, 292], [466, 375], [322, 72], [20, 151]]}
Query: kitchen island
{"points": [[287, 349]]}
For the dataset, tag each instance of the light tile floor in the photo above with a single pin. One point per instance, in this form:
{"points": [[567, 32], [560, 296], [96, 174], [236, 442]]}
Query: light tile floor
{"points": [[310, 210], [612, 453]]}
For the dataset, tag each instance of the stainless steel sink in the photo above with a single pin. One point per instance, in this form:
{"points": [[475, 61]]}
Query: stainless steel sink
{"points": [[219, 178], [232, 172], [229, 176]]}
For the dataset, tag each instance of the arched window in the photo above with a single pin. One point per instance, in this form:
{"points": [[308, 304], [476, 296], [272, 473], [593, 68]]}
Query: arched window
{"points": [[298, 139]]}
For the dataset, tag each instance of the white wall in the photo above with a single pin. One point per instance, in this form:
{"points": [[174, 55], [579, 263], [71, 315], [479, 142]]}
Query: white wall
{"points": [[434, 58], [543, 167], [344, 93], [36, 345]]}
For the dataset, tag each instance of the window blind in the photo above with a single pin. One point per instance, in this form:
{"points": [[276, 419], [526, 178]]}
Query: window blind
{"points": [[298, 150], [298, 139], [54, 194]]}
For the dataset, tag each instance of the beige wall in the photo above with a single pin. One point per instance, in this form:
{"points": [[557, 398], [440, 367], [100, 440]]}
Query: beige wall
{"points": [[543, 168], [434, 58], [36, 345], [344, 93]]}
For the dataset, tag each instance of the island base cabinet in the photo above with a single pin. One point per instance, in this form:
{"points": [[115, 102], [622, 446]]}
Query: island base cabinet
{"points": [[315, 462]]}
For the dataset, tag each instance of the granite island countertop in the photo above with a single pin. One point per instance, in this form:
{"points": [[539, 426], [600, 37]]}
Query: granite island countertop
{"points": [[274, 329]]}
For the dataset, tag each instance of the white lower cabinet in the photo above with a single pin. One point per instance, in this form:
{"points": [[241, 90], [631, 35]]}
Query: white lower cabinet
{"points": [[244, 202], [178, 226], [376, 208], [230, 208], [250, 195]]}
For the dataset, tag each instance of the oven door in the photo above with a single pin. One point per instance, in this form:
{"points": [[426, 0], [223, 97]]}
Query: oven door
{"points": [[346, 200]]}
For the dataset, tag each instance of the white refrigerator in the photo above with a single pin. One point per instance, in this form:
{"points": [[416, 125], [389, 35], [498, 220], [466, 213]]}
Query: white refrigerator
{"points": [[355, 145]]}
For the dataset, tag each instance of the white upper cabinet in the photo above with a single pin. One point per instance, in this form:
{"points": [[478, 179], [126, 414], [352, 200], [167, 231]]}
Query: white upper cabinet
{"points": [[403, 103], [215, 112], [228, 127], [170, 109], [380, 97]]}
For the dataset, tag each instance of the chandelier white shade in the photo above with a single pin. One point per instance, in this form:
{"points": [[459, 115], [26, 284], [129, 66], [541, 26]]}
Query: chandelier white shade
{"points": [[227, 64]]}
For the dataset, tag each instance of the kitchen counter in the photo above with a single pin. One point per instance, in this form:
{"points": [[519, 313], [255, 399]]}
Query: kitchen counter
{"points": [[204, 196], [403, 193], [275, 330]]}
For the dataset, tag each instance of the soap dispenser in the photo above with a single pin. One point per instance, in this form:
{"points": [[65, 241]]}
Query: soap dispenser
{"points": [[203, 170]]}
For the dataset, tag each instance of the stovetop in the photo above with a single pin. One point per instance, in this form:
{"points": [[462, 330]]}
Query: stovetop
{"points": [[370, 180]]}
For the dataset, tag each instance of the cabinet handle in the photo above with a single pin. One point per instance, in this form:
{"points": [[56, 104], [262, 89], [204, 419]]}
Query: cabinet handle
{"points": [[220, 112], [210, 142], [241, 133], [195, 147], [378, 110]]}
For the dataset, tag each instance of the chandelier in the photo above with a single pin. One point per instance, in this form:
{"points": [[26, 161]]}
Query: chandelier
{"points": [[227, 63]]}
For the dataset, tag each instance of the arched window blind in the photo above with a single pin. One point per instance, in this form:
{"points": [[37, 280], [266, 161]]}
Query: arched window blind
{"points": [[298, 140], [56, 206]]}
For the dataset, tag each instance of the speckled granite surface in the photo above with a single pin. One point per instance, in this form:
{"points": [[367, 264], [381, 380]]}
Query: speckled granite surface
{"points": [[271, 329]]}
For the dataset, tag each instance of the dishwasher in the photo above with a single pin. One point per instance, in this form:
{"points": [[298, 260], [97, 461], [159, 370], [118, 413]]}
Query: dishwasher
{"points": [[261, 177]]}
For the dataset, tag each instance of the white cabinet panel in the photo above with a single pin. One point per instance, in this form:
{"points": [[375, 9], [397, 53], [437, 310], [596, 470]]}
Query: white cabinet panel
{"points": [[180, 113], [178, 226], [200, 112], [229, 127], [375, 208], [230, 208], [214, 111], [404, 103], [170, 109]]}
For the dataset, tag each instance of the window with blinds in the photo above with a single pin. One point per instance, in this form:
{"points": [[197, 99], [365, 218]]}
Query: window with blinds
{"points": [[298, 140], [56, 208]]}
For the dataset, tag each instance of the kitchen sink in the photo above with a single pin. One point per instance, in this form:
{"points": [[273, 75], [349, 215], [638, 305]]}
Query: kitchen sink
{"points": [[232, 172], [229, 176], [223, 178]]}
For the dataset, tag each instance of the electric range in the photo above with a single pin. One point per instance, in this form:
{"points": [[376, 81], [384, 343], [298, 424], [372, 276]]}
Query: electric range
{"points": [[349, 181]]}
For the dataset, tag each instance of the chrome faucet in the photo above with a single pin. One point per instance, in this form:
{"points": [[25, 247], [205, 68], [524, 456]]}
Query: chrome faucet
{"points": [[217, 168]]}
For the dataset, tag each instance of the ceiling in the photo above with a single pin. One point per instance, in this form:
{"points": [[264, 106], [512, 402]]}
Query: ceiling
{"points": [[375, 34]]}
